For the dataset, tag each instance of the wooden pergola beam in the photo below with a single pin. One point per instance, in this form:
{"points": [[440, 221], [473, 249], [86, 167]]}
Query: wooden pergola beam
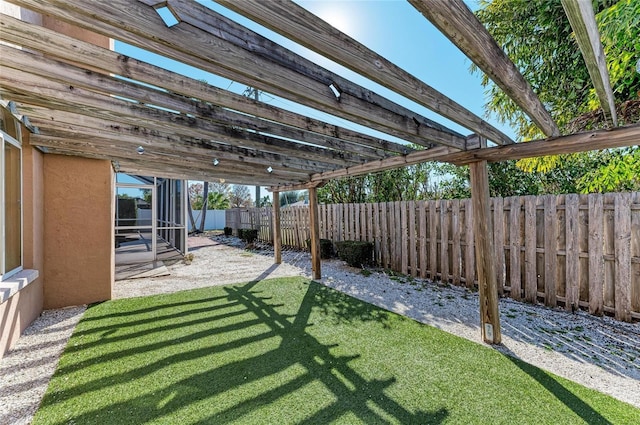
{"points": [[573, 143], [186, 148], [291, 76], [169, 157], [417, 157], [458, 23], [167, 122], [151, 155], [296, 23], [150, 166], [585, 28], [16, 65], [51, 43]]}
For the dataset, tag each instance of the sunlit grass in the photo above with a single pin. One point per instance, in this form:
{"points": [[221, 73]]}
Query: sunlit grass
{"points": [[287, 351]]}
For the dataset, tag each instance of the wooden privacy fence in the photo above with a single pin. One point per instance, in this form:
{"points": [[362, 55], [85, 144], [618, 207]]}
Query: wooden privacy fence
{"points": [[570, 250]]}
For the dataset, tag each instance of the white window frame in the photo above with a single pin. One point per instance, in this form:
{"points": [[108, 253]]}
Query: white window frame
{"points": [[4, 274]]}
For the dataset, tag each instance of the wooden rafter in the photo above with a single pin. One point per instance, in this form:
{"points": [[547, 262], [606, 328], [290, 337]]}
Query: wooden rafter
{"points": [[581, 142], [17, 66], [42, 92], [456, 21], [65, 124], [572, 143], [585, 28], [108, 62], [296, 23], [139, 25]]}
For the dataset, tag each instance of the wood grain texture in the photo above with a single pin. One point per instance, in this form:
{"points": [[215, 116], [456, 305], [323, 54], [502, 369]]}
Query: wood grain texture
{"points": [[17, 65], [187, 42], [489, 314], [434, 223], [585, 29], [515, 243], [572, 143], [530, 253], [550, 250], [456, 248], [93, 57], [413, 247], [314, 227], [277, 234], [498, 243], [458, 23], [469, 252], [422, 220], [296, 23], [572, 260], [622, 244], [444, 240]]}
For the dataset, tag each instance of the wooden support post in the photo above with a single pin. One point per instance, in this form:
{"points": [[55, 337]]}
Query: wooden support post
{"points": [[277, 235], [315, 233], [482, 229]]}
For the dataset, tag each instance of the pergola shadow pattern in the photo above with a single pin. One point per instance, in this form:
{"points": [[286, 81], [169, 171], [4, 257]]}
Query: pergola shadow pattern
{"points": [[286, 354]]}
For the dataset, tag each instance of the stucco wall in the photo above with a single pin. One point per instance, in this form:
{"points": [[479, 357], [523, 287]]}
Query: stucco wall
{"points": [[78, 235], [25, 306]]}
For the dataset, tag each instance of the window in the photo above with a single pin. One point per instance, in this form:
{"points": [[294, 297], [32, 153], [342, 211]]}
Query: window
{"points": [[11, 213]]}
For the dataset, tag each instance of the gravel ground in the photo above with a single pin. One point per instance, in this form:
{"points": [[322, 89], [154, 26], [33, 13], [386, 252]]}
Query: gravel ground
{"points": [[599, 353]]}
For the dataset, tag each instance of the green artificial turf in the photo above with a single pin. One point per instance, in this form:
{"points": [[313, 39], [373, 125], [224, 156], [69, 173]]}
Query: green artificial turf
{"points": [[289, 351]]}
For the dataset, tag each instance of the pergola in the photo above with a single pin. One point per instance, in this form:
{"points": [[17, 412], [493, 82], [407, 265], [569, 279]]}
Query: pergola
{"points": [[85, 100]]}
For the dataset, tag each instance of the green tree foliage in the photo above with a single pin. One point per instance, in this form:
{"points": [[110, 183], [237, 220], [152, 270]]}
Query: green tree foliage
{"points": [[538, 38]]}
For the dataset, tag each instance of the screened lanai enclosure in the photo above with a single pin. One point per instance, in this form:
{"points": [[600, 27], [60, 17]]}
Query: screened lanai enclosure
{"points": [[82, 98], [150, 217]]}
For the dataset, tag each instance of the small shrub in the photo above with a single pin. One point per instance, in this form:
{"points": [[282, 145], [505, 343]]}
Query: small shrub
{"points": [[248, 235], [355, 253], [228, 231], [326, 248]]}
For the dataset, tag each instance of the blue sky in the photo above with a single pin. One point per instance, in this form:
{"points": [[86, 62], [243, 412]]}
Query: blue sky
{"points": [[393, 29]]}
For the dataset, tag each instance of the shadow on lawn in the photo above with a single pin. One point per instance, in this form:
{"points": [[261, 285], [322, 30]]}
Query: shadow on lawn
{"points": [[293, 348], [566, 397]]}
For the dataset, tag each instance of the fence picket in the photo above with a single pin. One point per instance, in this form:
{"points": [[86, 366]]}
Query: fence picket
{"points": [[514, 248], [404, 230], [469, 252], [568, 247], [622, 224], [572, 258], [376, 231], [384, 240], [422, 218], [455, 242], [444, 240], [498, 242], [550, 250], [530, 253], [356, 222], [433, 240], [413, 248], [596, 254], [397, 238]]}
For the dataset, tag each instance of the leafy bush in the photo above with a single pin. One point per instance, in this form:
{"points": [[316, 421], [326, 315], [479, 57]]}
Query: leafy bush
{"points": [[228, 231], [326, 248], [248, 235], [355, 253]]}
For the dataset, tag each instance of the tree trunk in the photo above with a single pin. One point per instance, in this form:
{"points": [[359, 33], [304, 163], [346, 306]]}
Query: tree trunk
{"points": [[193, 222]]}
